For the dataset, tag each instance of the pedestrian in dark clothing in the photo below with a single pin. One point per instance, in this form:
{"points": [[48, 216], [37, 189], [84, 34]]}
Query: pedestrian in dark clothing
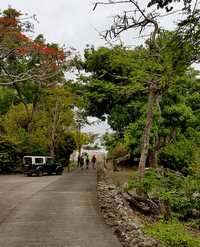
{"points": [[93, 160], [87, 161], [81, 162]]}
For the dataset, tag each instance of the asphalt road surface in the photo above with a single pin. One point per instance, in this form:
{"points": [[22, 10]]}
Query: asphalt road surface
{"points": [[52, 211]]}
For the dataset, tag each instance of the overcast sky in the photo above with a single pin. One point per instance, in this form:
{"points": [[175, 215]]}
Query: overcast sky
{"points": [[69, 22], [73, 23]]}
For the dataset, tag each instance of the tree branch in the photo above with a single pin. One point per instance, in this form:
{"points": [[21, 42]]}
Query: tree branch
{"points": [[109, 3], [129, 21]]}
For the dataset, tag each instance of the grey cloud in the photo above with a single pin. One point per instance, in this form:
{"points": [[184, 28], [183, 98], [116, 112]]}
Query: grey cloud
{"points": [[72, 22]]}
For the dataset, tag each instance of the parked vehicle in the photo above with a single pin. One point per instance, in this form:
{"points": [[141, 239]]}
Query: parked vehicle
{"points": [[40, 164]]}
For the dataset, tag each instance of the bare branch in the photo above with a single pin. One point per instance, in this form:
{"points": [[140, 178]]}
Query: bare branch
{"points": [[109, 3], [15, 81], [9, 52], [131, 19], [195, 6]]}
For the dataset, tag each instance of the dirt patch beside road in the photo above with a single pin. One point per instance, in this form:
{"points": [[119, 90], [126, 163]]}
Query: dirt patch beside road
{"points": [[121, 177]]}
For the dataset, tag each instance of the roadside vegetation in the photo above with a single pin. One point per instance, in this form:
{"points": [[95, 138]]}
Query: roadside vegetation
{"points": [[173, 234], [37, 107], [150, 97]]}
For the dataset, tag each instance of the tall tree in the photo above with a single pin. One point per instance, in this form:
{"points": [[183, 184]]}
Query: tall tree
{"points": [[27, 65], [36, 109], [138, 18], [118, 87]]}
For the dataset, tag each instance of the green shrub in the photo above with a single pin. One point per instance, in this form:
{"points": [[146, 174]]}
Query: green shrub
{"points": [[65, 148], [172, 235], [195, 223], [147, 184], [187, 197], [119, 151], [181, 205], [9, 156], [181, 193], [173, 181], [179, 156], [110, 141]]}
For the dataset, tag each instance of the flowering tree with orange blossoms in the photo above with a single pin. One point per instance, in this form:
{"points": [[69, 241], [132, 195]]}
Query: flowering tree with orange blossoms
{"points": [[24, 61], [40, 61]]}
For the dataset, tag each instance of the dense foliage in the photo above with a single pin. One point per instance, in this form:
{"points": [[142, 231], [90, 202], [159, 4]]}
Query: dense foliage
{"points": [[117, 88], [36, 104], [181, 192], [180, 200], [9, 156]]}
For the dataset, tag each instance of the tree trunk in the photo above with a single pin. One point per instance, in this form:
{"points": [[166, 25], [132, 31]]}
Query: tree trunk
{"points": [[115, 168], [153, 158], [53, 132], [79, 150], [30, 123], [153, 154], [79, 140], [147, 131]]}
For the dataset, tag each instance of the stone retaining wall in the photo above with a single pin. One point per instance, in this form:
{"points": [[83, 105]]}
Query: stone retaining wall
{"points": [[119, 215]]}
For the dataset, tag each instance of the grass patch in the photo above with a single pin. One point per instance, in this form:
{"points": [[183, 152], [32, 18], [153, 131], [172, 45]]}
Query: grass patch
{"points": [[172, 234]]}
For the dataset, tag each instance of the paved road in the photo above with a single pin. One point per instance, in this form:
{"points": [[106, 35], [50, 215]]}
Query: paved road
{"points": [[52, 211]]}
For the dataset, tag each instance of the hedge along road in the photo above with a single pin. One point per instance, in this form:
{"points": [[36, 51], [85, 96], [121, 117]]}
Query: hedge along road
{"points": [[52, 211]]}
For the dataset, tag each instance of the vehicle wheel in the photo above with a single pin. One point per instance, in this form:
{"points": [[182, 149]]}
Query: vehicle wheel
{"points": [[29, 174], [40, 173]]}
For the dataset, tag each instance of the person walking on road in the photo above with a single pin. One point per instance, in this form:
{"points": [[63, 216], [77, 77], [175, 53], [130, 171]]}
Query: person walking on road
{"points": [[87, 161], [93, 160], [81, 162]]}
